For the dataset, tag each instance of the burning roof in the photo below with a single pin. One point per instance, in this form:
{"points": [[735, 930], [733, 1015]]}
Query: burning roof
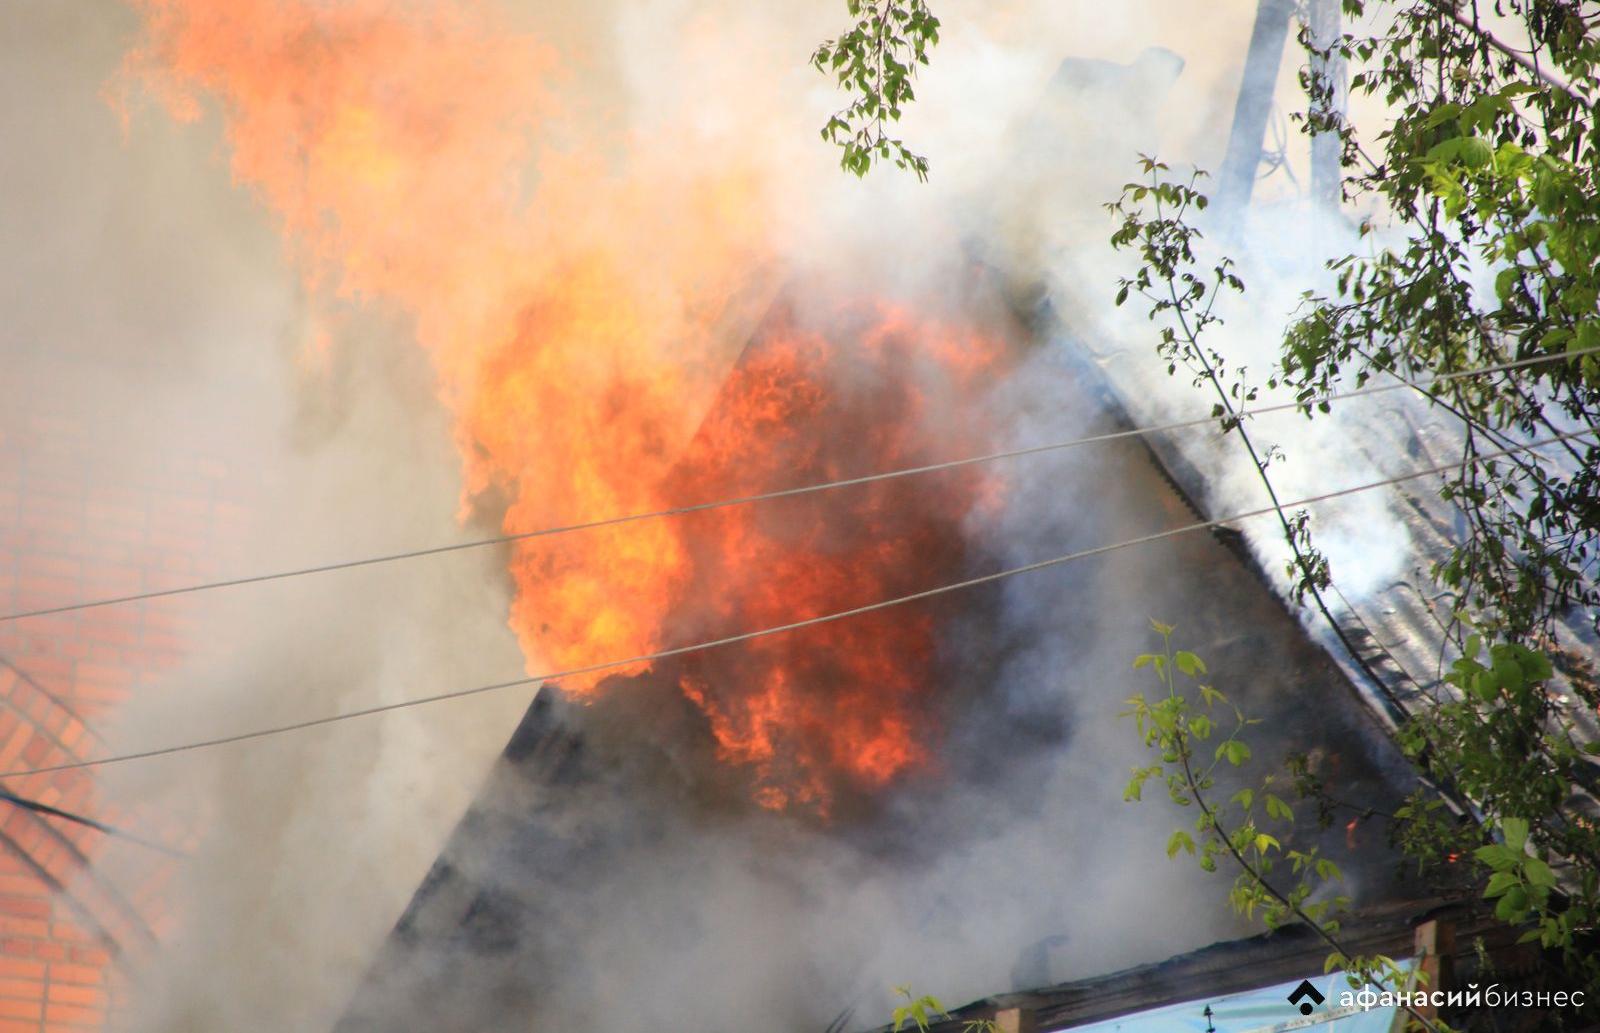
{"points": [[641, 816]]}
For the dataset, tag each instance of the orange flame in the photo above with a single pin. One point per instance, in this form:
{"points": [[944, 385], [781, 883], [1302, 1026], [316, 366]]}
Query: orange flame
{"points": [[582, 314], [846, 701]]}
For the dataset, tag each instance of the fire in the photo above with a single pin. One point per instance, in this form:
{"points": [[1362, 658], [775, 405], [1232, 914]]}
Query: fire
{"points": [[846, 701], [586, 314]]}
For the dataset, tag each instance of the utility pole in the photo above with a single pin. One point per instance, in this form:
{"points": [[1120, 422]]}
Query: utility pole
{"points": [[1330, 86], [1258, 84], [1250, 111]]}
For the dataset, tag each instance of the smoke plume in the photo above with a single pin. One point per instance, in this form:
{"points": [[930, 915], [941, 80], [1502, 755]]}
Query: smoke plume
{"points": [[430, 271]]}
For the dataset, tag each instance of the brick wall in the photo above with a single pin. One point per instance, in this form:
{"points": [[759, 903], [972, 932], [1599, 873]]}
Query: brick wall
{"points": [[80, 519]]}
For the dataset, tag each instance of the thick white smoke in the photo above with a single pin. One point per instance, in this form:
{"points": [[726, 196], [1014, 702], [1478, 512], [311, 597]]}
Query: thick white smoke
{"points": [[308, 847]]}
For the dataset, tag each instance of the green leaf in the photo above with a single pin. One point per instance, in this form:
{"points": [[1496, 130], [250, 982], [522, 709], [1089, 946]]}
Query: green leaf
{"points": [[1512, 905], [1506, 282], [1516, 832], [1235, 751], [1446, 151], [1555, 340], [1497, 856], [1539, 873], [1180, 841], [1442, 114], [1189, 664], [1586, 338]]}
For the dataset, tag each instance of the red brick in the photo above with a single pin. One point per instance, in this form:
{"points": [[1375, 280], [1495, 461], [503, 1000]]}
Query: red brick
{"points": [[39, 707], [15, 741], [113, 656], [38, 592], [24, 885], [71, 733], [92, 691], [50, 671], [83, 996], [21, 968], [22, 989], [40, 949], [36, 751], [24, 906], [33, 928], [79, 975], [105, 633], [90, 955], [71, 932], [21, 1009], [68, 1013], [74, 528], [47, 853]]}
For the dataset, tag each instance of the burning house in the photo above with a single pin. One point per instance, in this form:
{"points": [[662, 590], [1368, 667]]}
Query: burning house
{"points": [[845, 754], [890, 748], [687, 803]]}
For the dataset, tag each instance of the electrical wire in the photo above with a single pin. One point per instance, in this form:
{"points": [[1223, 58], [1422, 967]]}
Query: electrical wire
{"points": [[437, 550], [99, 826], [662, 654]]}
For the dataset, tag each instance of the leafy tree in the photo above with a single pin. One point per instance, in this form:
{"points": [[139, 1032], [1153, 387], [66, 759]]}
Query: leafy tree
{"points": [[1489, 166], [1507, 777], [876, 60], [920, 1013], [1487, 173], [1178, 727]]}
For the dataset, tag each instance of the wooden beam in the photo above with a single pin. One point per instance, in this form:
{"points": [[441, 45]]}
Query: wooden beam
{"points": [[1015, 1020], [1435, 942]]}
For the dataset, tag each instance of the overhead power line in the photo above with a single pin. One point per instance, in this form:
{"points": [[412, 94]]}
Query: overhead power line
{"points": [[700, 507], [663, 654]]}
